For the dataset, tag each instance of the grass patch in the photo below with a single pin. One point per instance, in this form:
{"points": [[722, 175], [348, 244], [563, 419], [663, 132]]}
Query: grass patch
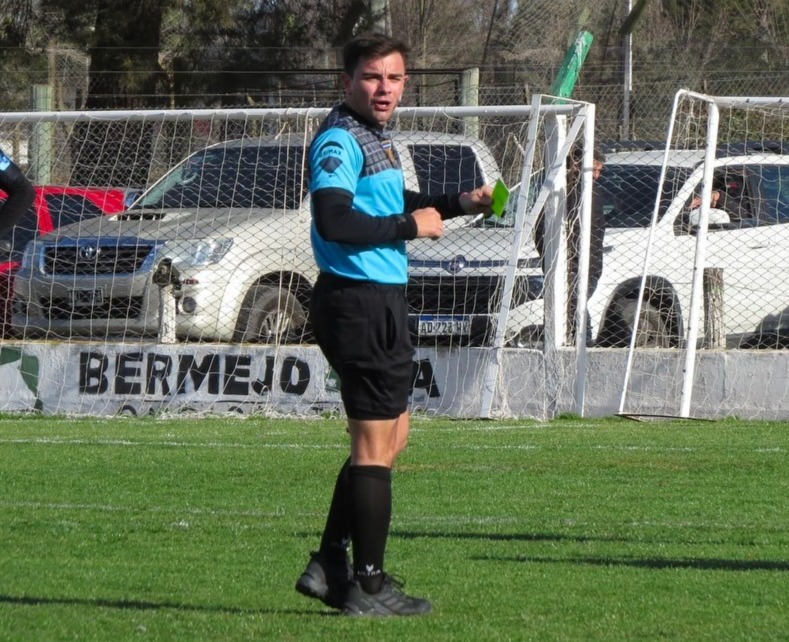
{"points": [[165, 529]]}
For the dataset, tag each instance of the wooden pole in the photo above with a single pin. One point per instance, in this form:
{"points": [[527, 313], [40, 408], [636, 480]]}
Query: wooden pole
{"points": [[714, 331]]}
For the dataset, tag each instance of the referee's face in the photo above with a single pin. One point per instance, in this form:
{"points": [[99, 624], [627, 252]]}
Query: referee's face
{"points": [[375, 88]]}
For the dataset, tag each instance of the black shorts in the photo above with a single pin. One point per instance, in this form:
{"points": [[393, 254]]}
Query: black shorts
{"points": [[362, 329]]}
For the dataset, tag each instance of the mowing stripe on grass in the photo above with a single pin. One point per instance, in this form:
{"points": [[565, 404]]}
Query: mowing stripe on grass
{"points": [[58, 441], [113, 508]]}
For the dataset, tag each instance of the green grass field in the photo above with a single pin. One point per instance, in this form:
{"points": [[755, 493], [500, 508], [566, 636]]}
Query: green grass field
{"points": [[196, 529]]}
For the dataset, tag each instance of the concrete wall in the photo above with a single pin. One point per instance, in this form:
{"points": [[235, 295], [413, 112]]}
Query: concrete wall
{"points": [[139, 378]]}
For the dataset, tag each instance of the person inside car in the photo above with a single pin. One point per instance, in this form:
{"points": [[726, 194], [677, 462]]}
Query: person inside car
{"points": [[718, 197], [728, 203]]}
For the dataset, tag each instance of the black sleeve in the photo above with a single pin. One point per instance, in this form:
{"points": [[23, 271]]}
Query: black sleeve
{"points": [[20, 195], [448, 205], [336, 220]]}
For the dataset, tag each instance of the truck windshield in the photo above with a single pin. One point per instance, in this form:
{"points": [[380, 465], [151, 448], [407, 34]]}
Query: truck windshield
{"points": [[629, 192], [260, 176], [446, 169]]}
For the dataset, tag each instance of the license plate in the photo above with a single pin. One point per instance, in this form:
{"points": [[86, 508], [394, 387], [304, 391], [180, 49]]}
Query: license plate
{"points": [[85, 297], [433, 326]]}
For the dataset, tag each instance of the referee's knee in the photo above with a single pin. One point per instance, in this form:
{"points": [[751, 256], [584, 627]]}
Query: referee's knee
{"points": [[401, 438]]}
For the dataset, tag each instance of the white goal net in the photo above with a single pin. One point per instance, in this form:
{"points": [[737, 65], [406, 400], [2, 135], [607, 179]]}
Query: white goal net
{"points": [[196, 296], [713, 296]]}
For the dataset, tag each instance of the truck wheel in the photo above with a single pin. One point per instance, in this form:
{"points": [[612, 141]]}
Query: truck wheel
{"points": [[653, 326], [272, 316]]}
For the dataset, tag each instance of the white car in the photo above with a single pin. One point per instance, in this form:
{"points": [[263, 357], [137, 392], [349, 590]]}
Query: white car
{"points": [[748, 238]]}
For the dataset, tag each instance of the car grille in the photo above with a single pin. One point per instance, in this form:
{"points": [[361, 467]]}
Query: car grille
{"points": [[59, 309], [467, 295], [95, 259]]}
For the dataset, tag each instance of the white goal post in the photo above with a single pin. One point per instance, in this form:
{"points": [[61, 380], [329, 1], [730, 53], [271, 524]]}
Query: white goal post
{"points": [[718, 244]]}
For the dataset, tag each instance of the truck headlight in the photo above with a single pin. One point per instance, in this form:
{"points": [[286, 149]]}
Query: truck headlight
{"points": [[188, 253]]}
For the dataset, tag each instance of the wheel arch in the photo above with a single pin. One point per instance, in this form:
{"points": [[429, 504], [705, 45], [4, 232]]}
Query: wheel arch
{"points": [[657, 290], [293, 282]]}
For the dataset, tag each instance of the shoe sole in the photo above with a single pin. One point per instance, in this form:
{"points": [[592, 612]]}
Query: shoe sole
{"points": [[356, 613], [389, 601]]}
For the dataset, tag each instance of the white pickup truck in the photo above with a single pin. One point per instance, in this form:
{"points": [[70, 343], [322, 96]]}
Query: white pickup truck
{"points": [[233, 220], [747, 241]]}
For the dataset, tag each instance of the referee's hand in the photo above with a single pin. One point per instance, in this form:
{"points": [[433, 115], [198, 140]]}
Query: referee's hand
{"points": [[428, 223], [478, 201]]}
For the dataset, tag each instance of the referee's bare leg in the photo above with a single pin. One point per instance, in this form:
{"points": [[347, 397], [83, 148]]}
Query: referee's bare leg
{"points": [[378, 442]]}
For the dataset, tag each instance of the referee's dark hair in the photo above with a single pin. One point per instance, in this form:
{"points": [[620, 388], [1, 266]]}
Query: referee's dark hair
{"points": [[371, 45]]}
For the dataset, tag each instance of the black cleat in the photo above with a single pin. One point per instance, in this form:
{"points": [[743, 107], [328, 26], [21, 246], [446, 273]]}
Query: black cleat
{"points": [[326, 581], [390, 600]]}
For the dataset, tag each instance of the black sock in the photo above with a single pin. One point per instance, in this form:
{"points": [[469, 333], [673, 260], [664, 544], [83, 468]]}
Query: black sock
{"points": [[337, 532], [371, 501]]}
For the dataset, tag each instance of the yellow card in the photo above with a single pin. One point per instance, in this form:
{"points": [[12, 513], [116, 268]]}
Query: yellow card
{"points": [[501, 194]]}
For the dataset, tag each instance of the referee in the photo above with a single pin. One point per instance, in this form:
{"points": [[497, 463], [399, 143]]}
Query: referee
{"points": [[361, 218]]}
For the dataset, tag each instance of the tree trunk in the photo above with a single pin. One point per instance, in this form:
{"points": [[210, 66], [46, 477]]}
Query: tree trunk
{"points": [[124, 71]]}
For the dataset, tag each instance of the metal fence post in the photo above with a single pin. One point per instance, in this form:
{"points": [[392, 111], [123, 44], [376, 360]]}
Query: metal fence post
{"points": [[40, 151]]}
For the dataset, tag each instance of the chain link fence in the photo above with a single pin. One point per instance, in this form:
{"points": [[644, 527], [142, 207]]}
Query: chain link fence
{"points": [[64, 72]]}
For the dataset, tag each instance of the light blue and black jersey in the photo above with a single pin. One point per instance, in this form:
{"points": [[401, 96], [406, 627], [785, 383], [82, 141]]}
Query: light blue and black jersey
{"points": [[351, 157], [5, 162]]}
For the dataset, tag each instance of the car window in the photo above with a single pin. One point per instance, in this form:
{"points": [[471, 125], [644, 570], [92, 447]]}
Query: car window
{"points": [[629, 192], [446, 169], [770, 186], [63, 208], [264, 176], [751, 195]]}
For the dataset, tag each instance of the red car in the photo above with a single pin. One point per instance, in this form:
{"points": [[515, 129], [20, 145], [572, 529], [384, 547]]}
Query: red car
{"points": [[53, 207]]}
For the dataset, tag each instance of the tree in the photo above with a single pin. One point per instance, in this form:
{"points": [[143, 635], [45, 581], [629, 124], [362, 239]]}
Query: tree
{"points": [[196, 40], [15, 17], [442, 32], [20, 67], [286, 35], [126, 40]]}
